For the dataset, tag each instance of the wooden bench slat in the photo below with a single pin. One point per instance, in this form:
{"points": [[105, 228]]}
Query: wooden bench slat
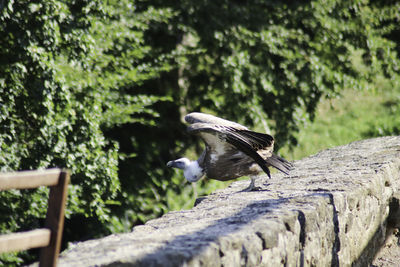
{"points": [[29, 179], [25, 240]]}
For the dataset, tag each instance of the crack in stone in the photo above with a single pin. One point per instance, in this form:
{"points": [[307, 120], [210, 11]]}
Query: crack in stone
{"points": [[263, 243], [336, 243], [302, 237]]}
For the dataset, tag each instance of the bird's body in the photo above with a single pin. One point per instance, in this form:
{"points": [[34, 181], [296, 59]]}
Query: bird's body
{"points": [[232, 151]]}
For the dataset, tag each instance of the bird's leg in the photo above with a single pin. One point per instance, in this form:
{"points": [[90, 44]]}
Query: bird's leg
{"points": [[251, 186], [194, 190]]}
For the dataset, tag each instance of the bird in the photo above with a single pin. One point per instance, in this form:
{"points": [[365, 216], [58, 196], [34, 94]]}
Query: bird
{"points": [[231, 151]]}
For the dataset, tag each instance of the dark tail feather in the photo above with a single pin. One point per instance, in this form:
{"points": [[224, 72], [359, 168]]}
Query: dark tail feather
{"points": [[280, 163]]}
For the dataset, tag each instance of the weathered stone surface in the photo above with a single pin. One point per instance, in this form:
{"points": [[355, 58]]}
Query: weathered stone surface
{"points": [[332, 209]]}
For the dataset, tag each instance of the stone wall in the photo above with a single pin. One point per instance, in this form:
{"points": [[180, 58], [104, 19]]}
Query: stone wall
{"points": [[332, 210]]}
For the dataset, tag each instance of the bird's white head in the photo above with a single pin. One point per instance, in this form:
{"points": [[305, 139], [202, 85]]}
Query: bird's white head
{"points": [[191, 169]]}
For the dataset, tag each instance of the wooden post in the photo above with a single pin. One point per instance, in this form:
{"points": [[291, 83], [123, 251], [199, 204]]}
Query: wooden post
{"points": [[55, 220]]}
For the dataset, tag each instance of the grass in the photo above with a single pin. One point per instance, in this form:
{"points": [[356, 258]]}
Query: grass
{"points": [[354, 116]]}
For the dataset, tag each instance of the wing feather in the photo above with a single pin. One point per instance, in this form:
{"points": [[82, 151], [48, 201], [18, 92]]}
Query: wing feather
{"points": [[257, 140], [197, 117], [243, 145], [242, 139]]}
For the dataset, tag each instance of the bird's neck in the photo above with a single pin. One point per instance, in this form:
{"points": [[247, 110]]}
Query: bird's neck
{"points": [[193, 172]]}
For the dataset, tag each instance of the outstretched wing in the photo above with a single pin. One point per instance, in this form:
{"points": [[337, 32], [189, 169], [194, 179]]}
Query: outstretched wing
{"points": [[221, 137]]}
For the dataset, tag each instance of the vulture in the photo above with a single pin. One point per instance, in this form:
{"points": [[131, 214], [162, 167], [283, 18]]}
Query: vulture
{"points": [[231, 151]]}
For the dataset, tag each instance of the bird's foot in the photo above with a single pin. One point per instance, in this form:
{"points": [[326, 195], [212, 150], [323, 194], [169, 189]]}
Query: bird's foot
{"points": [[251, 189], [251, 186]]}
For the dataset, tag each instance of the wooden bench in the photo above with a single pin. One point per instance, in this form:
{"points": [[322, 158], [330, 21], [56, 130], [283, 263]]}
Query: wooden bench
{"points": [[48, 238]]}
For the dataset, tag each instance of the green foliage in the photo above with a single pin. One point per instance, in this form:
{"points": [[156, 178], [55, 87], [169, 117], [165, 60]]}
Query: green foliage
{"points": [[101, 87], [264, 62], [43, 122], [67, 69]]}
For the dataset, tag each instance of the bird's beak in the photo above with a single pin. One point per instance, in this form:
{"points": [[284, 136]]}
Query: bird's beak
{"points": [[171, 163]]}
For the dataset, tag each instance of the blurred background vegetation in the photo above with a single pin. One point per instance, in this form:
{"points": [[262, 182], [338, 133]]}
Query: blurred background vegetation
{"points": [[100, 87]]}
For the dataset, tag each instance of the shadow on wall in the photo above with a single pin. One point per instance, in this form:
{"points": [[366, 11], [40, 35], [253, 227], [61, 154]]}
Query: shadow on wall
{"points": [[368, 254]]}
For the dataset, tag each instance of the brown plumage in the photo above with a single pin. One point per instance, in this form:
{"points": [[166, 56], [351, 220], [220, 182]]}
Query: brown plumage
{"points": [[232, 150]]}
